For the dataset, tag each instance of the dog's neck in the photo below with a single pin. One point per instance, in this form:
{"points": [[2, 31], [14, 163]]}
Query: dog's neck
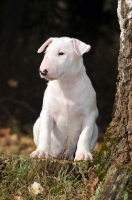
{"points": [[67, 86]]}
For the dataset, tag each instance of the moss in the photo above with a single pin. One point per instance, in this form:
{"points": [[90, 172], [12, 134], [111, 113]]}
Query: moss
{"points": [[102, 159], [108, 143], [129, 186]]}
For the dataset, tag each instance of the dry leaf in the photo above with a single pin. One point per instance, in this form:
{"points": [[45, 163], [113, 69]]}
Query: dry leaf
{"points": [[14, 143], [84, 180], [92, 186], [91, 173], [92, 182], [16, 198], [14, 138], [36, 188], [5, 132], [12, 83]]}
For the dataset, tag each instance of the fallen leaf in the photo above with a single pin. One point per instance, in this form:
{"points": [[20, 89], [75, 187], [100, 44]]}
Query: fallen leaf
{"points": [[84, 180], [36, 188], [92, 186], [14, 137], [5, 132], [93, 181], [12, 83], [91, 173], [17, 198]]}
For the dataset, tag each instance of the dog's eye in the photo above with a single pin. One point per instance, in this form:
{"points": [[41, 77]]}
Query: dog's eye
{"points": [[60, 53]]}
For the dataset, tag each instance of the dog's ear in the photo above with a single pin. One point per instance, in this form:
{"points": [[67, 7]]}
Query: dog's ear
{"points": [[80, 47], [44, 45]]}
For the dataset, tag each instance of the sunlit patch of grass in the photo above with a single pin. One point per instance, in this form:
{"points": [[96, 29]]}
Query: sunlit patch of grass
{"points": [[57, 179]]}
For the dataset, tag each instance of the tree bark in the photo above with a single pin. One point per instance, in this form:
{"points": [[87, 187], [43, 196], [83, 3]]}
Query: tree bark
{"points": [[117, 185], [121, 125], [117, 148], [122, 118]]}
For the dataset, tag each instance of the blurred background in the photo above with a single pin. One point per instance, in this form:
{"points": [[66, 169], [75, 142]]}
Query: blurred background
{"points": [[24, 27]]}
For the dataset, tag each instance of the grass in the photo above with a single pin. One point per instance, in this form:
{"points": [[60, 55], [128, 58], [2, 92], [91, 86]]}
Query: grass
{"points": [[23, 178], [55, 179]]}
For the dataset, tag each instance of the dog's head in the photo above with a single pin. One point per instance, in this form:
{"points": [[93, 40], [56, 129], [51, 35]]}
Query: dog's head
{"points": [[63, 57]]}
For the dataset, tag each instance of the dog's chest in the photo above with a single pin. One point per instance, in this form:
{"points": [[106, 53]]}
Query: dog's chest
{"points": [[66, 108], [67, 112]]}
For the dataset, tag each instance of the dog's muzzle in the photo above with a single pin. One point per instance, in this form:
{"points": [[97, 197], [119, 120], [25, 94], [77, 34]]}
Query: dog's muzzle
{"points": [[44, 72]]}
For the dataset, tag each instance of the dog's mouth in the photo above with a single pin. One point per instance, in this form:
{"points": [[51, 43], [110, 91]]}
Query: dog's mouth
{"points": [[51, 78]]}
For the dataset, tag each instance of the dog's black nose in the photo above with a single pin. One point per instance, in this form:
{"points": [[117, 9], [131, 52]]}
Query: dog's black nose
{"points": [[44, 72]]}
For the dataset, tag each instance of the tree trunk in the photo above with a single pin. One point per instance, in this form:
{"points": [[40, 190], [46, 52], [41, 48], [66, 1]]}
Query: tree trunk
{"points": [[117, 148], [122, 119]]}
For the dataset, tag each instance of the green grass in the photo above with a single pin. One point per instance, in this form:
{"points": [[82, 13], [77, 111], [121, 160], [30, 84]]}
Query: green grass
{"points": [[60, 179]]}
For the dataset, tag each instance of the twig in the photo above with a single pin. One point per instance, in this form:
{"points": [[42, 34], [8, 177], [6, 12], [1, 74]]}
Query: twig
{"points": [[6, 111], [18, 102], [23, 104]]}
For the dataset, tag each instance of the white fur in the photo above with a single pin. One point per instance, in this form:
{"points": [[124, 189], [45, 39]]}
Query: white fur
{"points": [[67, 121]]}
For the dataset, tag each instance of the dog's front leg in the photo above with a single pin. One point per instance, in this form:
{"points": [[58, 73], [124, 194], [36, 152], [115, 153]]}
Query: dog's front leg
{"points": [[84, 142], [43, 148]]}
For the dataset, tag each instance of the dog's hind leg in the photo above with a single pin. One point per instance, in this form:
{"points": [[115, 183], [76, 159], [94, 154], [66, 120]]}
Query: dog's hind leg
{"points": [[36, 130], [94, 137]]}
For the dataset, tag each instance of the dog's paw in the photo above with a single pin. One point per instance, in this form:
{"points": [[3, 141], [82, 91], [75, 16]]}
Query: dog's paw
{"points": [[39, 154], [83, 156]]}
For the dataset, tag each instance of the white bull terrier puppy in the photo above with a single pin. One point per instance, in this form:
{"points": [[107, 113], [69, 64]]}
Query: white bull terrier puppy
{"points": [[66, 125]]}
